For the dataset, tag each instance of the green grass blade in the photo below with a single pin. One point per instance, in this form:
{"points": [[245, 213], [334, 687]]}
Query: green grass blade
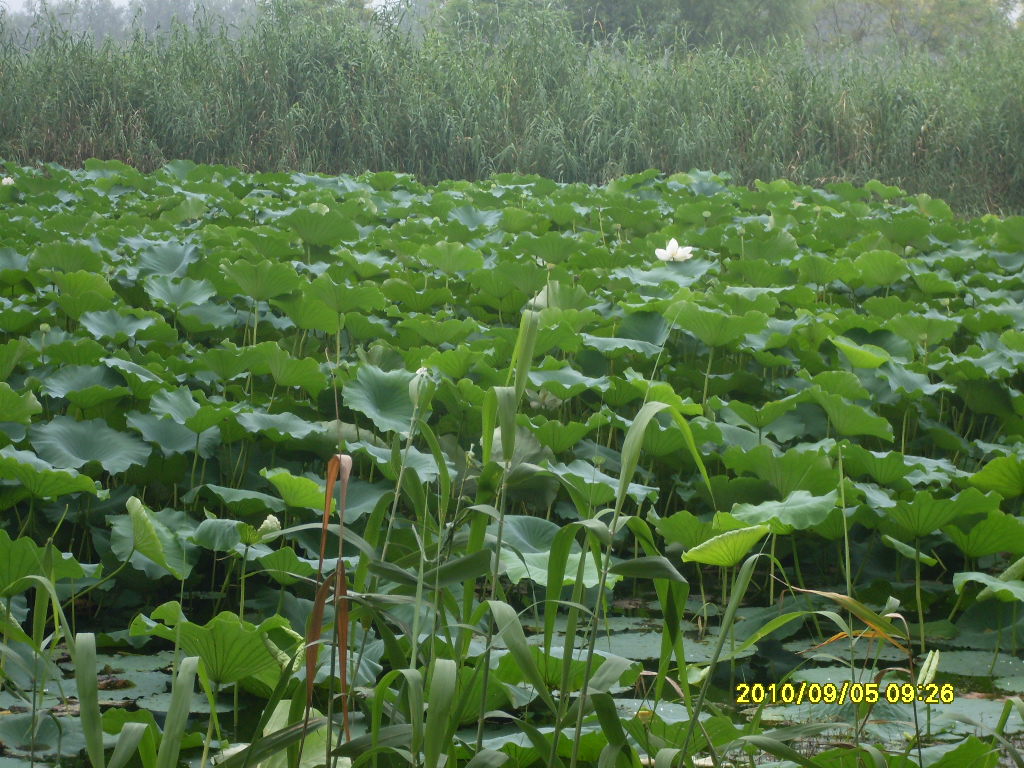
{"points": [[271, 744], [440, 714], [88, 698], [511, 632], [128, 741], [178, 712]]}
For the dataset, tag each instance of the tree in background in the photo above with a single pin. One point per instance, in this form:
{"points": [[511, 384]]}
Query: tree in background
{"points": [[932, 24], [737, 23]]}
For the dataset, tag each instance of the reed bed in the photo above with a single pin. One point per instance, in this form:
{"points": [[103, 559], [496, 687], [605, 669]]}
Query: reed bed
{"points": [[335, 94]]}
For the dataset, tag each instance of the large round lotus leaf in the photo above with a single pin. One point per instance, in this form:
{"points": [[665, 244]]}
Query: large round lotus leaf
{"points": [[112, 324], [17, 408], [22, 557], [926, 513], [321, 228], [381, 396], [277, 426], [301, 492], [65, 443], [178, 293], [240, 501], [799, 510], [726, 549], [172, 437], [165, 257], [39, 477], [998, 532], [262, 280], [1004, 475], [231, 649]]}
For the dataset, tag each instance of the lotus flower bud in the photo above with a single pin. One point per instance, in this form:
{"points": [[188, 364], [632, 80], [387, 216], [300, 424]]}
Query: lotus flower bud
{"points": [[421, 388]]}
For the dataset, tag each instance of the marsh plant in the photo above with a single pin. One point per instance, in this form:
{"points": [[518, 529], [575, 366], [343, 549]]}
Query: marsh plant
{"points": [[516, 472]]}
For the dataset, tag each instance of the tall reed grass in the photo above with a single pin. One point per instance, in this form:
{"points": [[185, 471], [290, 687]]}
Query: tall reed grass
{"points": [[332, 94]]}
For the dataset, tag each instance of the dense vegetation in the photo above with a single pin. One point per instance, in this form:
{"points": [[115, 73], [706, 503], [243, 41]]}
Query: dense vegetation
{"points": [[606, 456], [476, 89]]}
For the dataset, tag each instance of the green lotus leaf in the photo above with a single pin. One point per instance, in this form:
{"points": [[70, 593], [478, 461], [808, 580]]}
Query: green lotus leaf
{"points": [[17, 408], [726, 549], [887, 468], [143, 382], [795, 469], [997, 532], [301, 492], [223, 534], [11, 354], [277, 426], [166, 258], [66, 257], [171, 437], [711, 326], [160, 537], [114, 325], [849, 419], [798, 511], [423, 464], [588, 482], [82, 292], [684, 528], [566, 382], [226, 363], [13, 266], [67, 443], [22, 557], [474, 218], [560, 436], [381, 396], [239, 501], [287, 568], [321, 229], [926, 513], [415, 300], [178, 293], [861, 355], [880, 267], [85, 385], [615, 347], [908, 551], [450, 258], [928, 328], [1011, 590], [182, 407], [310, 313], [534, 566], [261, 280], [760, 417], [231, 649], [1004, 475], [288, 371], [342, 298], [435, 332], [40, 478], [209, 318]]}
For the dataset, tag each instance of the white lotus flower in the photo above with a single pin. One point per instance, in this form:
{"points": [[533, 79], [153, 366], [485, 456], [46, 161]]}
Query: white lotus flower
{"points": [[270, 525], [543, 400], [6, 181], [319, 208], [674, 252]]}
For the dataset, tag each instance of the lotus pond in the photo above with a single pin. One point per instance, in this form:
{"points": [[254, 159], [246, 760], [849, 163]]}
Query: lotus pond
{"points": [[302, 470]]}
